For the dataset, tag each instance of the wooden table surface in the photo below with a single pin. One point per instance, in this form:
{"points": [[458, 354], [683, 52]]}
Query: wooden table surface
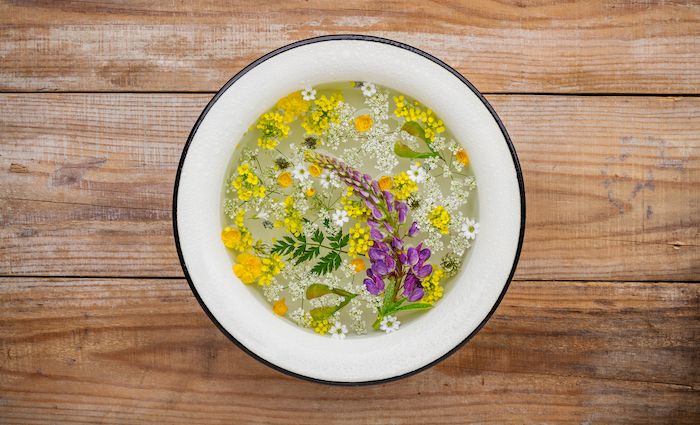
{"points": [[600, 325]]}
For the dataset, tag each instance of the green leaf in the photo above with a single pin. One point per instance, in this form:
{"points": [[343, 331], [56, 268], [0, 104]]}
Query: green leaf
{"points": [[321, 313], [283, 246], [415, 306], [317, 237], [405, 152], [327, 263], [414, 129], [316, 290], [388, 296]]}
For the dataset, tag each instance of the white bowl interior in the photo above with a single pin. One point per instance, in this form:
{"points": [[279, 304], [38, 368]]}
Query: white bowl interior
{"points": [[356, 359]]}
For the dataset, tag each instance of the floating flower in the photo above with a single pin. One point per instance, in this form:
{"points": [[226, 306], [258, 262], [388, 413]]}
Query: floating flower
{"points": [[328, 179], [462, 157], [284, 179], [248, 268], [355, 208], [415, 113], [340, 217], [292, 106], [280, 307], [368, 89], [315, 170], [293, 219], [363, 123], [470, 229], [271, 267], [389, 324], [385, 183], [431, 286], [358, 264], [300, 172], [338, 331], [236, 239], [309, 93], [321, 327], [440, 219], [360, 241], [247, 183], [322, 114], [310, 192], [272, 128], [417, 173], [403, 186]]}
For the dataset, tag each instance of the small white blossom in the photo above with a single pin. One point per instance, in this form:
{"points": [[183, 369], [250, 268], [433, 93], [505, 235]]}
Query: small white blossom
{"points": [[338, 331], [329, 179], [308, 94], [340, 217], [470, 228], [417, 173], [389, 324], [368, 89], [300, 173]]}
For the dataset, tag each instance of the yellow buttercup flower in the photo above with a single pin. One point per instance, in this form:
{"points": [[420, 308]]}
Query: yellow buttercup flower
{"points": [[284, 179], [280, 307], [440, 218], [248, 268], [358, 264], [310, 192], [314, 170], [363, 123], [385, 183], [462, 157]]}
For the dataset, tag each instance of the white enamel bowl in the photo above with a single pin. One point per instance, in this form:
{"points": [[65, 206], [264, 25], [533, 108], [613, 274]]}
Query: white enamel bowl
{"points": [[235, 309]]}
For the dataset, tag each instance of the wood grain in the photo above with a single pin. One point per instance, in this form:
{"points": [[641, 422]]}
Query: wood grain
{"points": [[612, 184], [142, 351], [525, 46]]}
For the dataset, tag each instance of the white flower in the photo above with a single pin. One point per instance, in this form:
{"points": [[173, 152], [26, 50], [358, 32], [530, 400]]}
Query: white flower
{"points": [[470, 228], [300, 173], [340, 217], [308, 93], [417, 173], [338, 331], [328, 179], [368, 89], [389, 324]]}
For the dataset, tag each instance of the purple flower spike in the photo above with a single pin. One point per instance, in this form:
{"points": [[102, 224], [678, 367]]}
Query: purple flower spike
{"points": [[412, 256], [416, 294], [402, 208], [375, 234], [413, 230]]}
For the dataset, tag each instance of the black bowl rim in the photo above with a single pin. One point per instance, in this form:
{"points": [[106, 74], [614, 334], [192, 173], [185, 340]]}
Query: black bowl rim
{"points": [[390, 42]]}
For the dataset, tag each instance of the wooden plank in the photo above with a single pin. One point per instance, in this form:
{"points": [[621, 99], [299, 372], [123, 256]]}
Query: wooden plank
{"points": [[525, 46], [141, 351], [612, 184]]}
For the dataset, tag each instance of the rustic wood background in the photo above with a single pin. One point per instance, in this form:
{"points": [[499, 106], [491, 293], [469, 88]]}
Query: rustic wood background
{"points": [[602, 322]]}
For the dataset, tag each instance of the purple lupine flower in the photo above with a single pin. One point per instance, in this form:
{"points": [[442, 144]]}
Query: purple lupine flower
{"points": [[373, 283], [412, 288], [413, 230], [402, 208]]}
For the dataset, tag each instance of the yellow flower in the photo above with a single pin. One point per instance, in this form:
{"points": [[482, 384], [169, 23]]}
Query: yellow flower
{"points": [[271, 267], [321, 327], [431, 286], [462, 157], [440, 218], [284, 179], [314, 170], [360, 241], [247, 184], [293, 105], [354, 207], [358, 264], [236, 239], [280, 307], [385, 183], [248, 268], [293, 219], [403, 186], [272, 128], [310, 192], [432, 125], [323, 112], [363, 123]]}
